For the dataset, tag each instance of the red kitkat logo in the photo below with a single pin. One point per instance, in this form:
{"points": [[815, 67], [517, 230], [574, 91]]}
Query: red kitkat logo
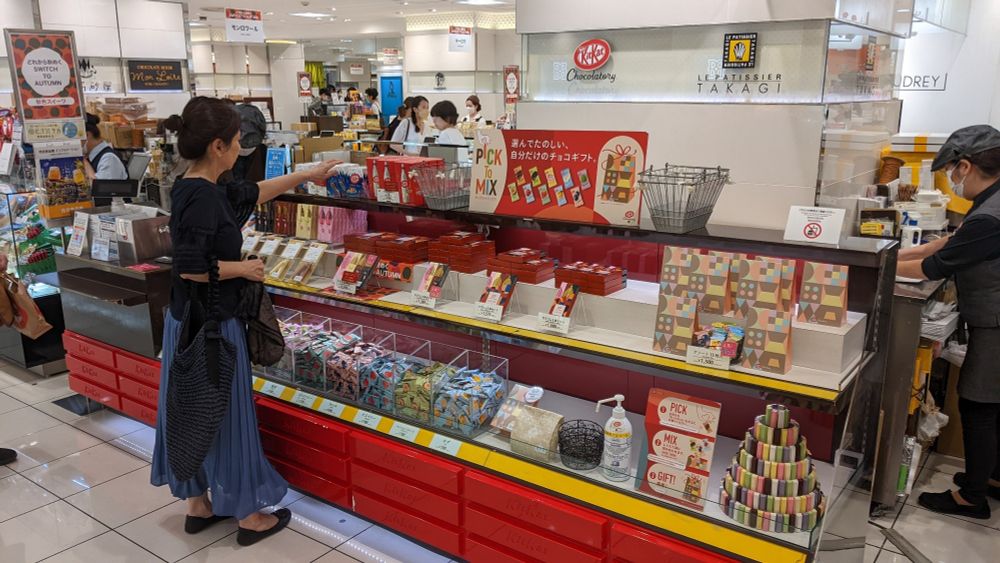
{"points": [[592, 54]]}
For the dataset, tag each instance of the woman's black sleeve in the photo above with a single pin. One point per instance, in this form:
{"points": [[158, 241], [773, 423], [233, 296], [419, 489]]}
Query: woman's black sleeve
{"points": [[194, 236], [242, 197]]}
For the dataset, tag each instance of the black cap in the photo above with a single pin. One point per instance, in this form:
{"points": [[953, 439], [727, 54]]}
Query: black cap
{"points": [[966, 142]]}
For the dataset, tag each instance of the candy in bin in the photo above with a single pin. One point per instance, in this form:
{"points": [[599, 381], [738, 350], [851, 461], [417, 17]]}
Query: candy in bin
{"points": [[379, 380], [344, 368], [468, 401], [414, 390]]}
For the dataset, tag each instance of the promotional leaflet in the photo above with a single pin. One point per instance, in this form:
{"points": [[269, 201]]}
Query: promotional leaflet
{"points": [[43, 66], [275, 164], [304, 82], [580, 176], [681, 434], [61, 179]]}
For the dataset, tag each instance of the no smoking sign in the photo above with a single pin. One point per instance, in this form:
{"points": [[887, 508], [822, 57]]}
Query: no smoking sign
{"points": [[812, 231]]}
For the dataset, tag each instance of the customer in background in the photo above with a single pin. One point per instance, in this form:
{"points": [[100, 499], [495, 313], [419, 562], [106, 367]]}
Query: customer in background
{"points": [[371, 97], [411, 127], [445, 116], [970, 159], [353, 96], [321, 105], [102, 162], [252, 161], [473, 110], [205, 231]]}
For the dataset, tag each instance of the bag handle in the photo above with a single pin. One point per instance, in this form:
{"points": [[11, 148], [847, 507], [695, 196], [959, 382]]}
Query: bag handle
{"points": [[213, 328]]}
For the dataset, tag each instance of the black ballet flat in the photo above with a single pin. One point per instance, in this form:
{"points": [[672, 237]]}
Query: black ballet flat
{"points": [[195, 524], [7, 456], [247, 537]]}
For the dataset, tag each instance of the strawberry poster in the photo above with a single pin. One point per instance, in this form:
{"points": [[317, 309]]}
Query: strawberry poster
{"points": [[580, 176], [47, 90]]}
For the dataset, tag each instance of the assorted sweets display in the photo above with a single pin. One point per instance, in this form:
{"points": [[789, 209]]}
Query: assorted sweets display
{"points": [[771, 484]]}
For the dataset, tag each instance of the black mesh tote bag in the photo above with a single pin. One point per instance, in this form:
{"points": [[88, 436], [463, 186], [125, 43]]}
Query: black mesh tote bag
{"points": [[201, 380]]}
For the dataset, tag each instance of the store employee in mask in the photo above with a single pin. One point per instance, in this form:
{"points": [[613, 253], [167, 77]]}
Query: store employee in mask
{"points": [[102, 162], [971, 160]]}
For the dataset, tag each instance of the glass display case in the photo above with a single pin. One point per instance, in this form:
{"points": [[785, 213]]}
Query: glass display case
{"points": [[30, 246]]}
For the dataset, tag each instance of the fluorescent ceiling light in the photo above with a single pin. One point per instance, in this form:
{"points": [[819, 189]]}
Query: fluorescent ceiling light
{"points": [[197, 24], [279, 41], [481, 2], [307, 14]]}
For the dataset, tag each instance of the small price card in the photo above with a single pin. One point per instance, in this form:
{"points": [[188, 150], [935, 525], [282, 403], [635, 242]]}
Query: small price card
{"points": [[489, 312], [404, 431], [553, 323], [249, 244], [445, 444], [340, 286], [314, 253], [367, 419], [101, 249], [270, 247], [292, 250], [332, 408], [424, 299], [303, 399], [273, 389], [707, 357]]}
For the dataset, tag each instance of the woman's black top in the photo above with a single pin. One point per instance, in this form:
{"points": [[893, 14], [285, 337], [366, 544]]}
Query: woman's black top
{"points": [[203, 225]]}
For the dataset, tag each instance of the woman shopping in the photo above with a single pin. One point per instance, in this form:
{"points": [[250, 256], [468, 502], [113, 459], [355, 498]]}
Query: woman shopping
{"points": [[208, 276], [409, 133], [473, 111], [445, 116]]}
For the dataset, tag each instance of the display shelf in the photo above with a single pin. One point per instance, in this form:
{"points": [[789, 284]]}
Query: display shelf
{"points": [[822, 397], [490, 452]]}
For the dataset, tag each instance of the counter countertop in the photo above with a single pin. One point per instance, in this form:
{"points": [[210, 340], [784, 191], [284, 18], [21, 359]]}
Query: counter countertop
{"points": [[66, 262], [918, 292]]}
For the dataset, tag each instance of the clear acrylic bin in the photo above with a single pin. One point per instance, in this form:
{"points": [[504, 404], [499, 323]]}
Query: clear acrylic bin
{"points": [[467, 400], [430, 364], [322, 338], [349, 365], [288, 323]]}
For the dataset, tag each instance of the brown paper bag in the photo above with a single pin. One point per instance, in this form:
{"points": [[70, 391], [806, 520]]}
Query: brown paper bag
{"points": [[28, 318]]}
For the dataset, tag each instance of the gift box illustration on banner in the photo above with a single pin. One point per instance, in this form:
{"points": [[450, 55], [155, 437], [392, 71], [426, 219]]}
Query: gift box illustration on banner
{"points": [[619, 174]]}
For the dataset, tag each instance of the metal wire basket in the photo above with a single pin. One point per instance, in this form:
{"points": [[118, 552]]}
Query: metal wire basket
{"points": [[681, 198], [445, 188]]}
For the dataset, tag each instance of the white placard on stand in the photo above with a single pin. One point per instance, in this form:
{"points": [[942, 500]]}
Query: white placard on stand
{"points": [[822, 225], [553, 323], [424, 299], [707, 357], [489, 312]]}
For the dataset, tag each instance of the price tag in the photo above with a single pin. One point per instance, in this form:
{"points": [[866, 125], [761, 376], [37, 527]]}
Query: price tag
{"points": [[489, 312], [553, 323], [340, 286], [314, 254], [316, 189], [445, 444], [270, 247], [404, 431], [273, 389], [708, 357], [424, 299], [101, 249], [367, 419], [249, 243], [332, 408], [293, 249], [79, 237], [303, 399]]}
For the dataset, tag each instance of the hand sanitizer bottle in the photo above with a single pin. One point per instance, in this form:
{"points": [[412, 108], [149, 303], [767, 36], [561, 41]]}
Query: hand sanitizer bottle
{"points": [[617, 442]]}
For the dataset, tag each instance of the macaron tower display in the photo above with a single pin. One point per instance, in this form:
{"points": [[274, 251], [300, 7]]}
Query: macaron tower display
{"points": [[772, 484]]}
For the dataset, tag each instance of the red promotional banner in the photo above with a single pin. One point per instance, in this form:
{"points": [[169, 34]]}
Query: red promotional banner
{"points": [[511, 84], [580, 176], [43, 68]]}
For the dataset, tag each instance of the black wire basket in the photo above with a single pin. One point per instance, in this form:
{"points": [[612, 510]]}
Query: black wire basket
{"points": [[581, 444]]}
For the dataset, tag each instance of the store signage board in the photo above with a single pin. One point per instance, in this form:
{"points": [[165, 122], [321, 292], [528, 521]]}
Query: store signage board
{"points": [[820, 225], [390, 57], [357, 69], [681, 432], [511, 84], [304, 82], [43, 65], [459, 39], [579, 176], [155, 76], [244, 26], [274, 165]]}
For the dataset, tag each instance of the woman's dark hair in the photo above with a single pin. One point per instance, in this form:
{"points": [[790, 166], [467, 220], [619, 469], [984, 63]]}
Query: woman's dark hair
{"points": [[203, 121], [91, 125], [404, 110], [446, 111], [371, 93], [417, 100], [988, 162], [475, 101]]}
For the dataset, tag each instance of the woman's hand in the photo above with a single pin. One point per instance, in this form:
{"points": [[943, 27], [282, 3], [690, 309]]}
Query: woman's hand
{"points": [[253, 270], [321, 172]]}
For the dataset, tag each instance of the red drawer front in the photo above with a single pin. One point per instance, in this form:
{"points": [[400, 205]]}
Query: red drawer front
{"points": [[481, 552], [411, 496], [139, 411], [441, 537], [323, 464], [87, 349], [104, 396], [635, 545], [91, 372], [311, 483], [140, 369], [535, 509], [291, 421], [137, 391], [408, 462], [527, 542]]}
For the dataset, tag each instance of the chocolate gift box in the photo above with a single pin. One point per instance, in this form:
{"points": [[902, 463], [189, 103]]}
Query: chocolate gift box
{"points": [[673, 273], [520, 264], [595, 279], [365, 242], [676, 324], [767, 345], [823, 297], [405, 249], [704, 277], [759, 286]]}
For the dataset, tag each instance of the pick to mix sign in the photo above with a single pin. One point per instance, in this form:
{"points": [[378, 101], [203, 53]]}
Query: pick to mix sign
{"points": [[47, 89]]}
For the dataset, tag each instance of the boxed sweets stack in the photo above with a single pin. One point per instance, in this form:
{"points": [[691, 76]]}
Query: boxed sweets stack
{"points": [[772, 484], [405, 249], [595, 279], [366, 243], [463, 251], [529, 265], [393, 180]]}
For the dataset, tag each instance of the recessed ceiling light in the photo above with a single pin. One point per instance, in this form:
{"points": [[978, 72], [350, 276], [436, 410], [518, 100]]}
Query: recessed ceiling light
{"points": [[333, 8], [347, 41], [434, 9], [347, 20], [307, 14], [406, 3]]}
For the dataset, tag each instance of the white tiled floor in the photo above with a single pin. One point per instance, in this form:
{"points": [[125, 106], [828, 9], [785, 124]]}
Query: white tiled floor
{"points": [[80, 493]]}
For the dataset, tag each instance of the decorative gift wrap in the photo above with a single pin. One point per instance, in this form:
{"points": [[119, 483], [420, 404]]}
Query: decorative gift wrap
{"points": [[739, 268], [768, 434], [759, 286], [676, 260], [769, 452], [344, 368], [772, 503], [676, 324], [773, 469], [770, 521], [468, 400], [415, 389], [777, 487], [716, 269], [379, 380], [619, 174], [823, 298], [519, 397], [767, 345], [536, 433]]}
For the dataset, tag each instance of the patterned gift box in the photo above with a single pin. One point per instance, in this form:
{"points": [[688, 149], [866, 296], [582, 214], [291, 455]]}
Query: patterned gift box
{"points": [[823, 298], [619, 175], [788, 268], [767, 345], [676, 324], [673, 274], [759, 286], [715, 267]]}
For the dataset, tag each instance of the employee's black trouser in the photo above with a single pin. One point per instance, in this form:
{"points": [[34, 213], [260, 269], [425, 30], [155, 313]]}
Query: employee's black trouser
{"points": [[981, 437]]}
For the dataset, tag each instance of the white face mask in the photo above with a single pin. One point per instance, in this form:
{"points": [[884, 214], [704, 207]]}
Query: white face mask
{"points": [[957, 187]]}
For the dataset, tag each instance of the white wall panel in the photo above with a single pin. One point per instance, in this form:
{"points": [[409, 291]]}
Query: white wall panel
{"points": [[92, 21], [258, 60], [201, 56], [14, 14], [286, 61], [429, 53], [230, 59], [152, 30]]}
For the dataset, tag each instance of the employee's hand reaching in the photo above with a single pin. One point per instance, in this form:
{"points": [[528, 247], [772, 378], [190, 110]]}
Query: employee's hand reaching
{"points": [[253, 270]]}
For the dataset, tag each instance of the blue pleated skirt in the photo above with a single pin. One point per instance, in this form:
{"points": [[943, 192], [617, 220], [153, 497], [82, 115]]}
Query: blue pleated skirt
{"points": [[240, 478]]}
